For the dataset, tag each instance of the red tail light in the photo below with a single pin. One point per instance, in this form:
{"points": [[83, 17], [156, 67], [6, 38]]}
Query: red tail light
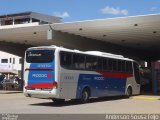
{"points": [[55, 85]]}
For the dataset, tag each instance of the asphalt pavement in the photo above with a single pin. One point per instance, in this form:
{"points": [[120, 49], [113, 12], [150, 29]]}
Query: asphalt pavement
{"points": [[19, 104]]}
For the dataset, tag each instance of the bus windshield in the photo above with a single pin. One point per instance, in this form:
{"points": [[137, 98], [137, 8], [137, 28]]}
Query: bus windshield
{"points": [[39, 56]]}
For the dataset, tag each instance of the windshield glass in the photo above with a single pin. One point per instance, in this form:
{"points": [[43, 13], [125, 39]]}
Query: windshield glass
{"points": [[39, 56]]}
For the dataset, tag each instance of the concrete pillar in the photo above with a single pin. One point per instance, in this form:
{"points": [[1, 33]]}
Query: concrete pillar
{"points": [[13, 21], [22, 73], [8, 76], [22, 68], [155, 76], [30, 20]]}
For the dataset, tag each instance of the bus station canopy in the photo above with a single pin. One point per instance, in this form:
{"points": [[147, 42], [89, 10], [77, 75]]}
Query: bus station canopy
{"points": [[140, 32]]}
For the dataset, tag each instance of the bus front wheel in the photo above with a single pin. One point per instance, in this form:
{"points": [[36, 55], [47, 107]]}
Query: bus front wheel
{"points": [[85, 96], [129, 92]]}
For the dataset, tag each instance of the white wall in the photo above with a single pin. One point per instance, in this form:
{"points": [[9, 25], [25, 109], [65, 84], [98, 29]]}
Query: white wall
{"points": [[19, 25], [9, 65]]}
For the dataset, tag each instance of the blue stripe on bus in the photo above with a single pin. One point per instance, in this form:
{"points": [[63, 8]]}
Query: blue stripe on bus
{"points": [[101, 85]]}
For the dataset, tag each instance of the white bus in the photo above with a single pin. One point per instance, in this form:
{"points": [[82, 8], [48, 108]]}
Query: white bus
{"points": [[58, 73]]}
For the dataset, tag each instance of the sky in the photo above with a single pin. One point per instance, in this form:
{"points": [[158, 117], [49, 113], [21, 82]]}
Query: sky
{"points": [[77, 10]]}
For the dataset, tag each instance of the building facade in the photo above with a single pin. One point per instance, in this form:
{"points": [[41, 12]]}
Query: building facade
{"points": [[27, 18], [10, 64]]}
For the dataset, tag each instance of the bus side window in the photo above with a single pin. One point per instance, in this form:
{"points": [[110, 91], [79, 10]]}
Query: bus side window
{"points": [[88, 62], [94, 63], [66, 60], [81, 61], [129, 66], [123, 66], [100, 64], [105, 64], [75, 64], [119, 66], [110, 64], [115, 66]]}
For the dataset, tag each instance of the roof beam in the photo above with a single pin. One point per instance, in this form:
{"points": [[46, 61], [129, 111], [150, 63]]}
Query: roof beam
{"points": [[87, 44]]}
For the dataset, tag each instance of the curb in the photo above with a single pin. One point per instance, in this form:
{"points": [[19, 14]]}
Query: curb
{"points": [[10, 92], [144, 98]]}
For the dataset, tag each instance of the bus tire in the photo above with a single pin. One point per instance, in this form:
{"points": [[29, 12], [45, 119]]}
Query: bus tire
{"points": [[129, 91], [85, 95], [58, 100]]}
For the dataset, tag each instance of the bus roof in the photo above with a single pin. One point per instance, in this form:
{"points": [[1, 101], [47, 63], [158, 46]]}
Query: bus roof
{"points": [[96, 53]]}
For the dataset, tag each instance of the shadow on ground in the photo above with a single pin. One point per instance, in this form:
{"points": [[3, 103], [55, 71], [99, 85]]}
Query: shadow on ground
{"points": [[75, 102]]}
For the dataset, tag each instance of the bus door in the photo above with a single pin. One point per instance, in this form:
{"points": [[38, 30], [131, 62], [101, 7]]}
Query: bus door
{"points": [[137, 75]]}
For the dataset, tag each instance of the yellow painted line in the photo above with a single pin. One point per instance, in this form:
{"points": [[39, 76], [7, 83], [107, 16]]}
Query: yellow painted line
{"points": [[144, 98]]}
